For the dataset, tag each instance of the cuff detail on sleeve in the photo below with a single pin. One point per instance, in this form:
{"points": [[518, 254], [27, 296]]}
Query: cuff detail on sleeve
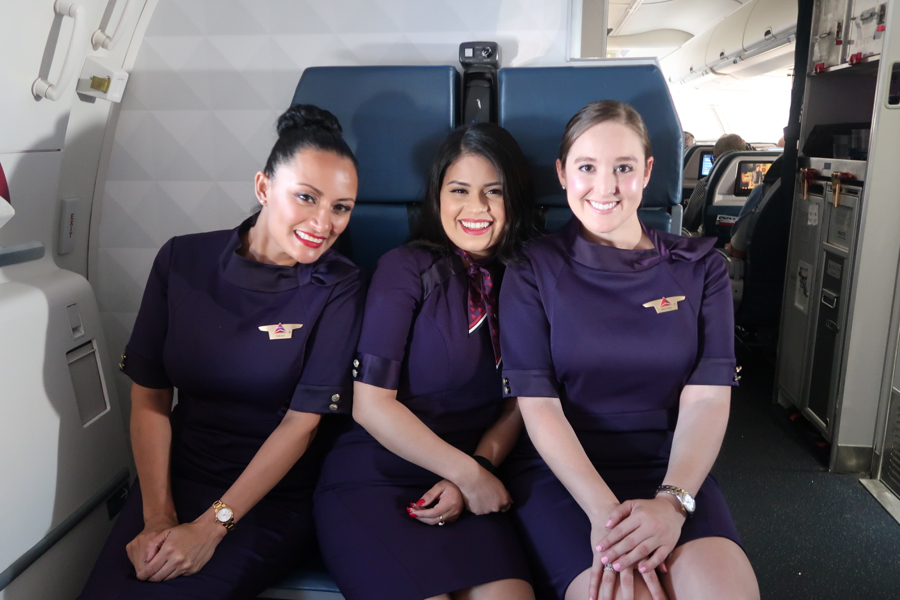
{"points": [[143, 371], [715, 371], [377, 371], [321, 399], [532, 383]]}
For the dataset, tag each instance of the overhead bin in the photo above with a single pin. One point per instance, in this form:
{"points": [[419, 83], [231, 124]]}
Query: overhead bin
{"points": [[755, 39], [769, 21], [725, 43]]}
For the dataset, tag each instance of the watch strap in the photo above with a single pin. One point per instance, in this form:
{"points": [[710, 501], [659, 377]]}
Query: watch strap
{"points": [[685, 499]]}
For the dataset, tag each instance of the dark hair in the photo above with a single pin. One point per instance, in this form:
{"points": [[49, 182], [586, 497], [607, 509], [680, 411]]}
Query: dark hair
{"points": [[306, 126], [500, 148], [600, 112]]}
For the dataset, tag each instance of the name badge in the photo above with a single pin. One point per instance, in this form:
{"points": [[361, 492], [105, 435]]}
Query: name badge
{"points": [[665, 304], [282, 331]]}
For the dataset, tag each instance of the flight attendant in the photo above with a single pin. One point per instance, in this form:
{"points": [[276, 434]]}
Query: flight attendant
{"points": [[618, 342], [408, 506], [256, 328]]}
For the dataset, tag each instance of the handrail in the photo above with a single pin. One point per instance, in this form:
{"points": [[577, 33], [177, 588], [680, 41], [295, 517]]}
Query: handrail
{"points": [[101, 39], [43, 88]]}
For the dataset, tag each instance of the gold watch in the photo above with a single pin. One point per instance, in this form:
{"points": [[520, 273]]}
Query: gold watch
{"points": [[224, 514]]}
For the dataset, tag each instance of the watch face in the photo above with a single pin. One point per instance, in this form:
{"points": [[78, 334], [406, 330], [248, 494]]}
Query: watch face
{"points": [[688, 502], [223, 515]]}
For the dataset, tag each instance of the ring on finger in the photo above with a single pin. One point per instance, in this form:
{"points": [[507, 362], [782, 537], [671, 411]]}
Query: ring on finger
{"points": [[609, 567], [441, 520], [504, 508]]}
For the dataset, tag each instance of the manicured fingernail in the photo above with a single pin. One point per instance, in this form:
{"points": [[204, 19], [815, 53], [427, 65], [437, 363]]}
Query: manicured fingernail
{"points": [[617, 566], [413, 515], [608, 523], [643, 569], [599, 548], [421, 502], [604, 559]]}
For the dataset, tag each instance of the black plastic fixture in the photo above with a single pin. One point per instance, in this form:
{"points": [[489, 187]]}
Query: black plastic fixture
{"points": [[480, 61]]}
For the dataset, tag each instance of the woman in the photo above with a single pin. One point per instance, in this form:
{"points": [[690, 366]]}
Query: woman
{"points": [[617, 340], [256, 328], [408, 507]]}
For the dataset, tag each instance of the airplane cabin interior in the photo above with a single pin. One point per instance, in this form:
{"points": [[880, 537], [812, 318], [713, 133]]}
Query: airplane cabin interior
{"points": [[127, 122]]}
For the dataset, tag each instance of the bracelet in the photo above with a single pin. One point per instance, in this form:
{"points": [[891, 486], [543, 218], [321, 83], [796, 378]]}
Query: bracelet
{"points": [[485, 463]]}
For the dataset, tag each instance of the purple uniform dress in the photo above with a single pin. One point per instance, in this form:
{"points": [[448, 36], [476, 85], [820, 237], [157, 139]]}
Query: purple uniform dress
{"points": [[574, 326], [415, 341], [198, 330]]}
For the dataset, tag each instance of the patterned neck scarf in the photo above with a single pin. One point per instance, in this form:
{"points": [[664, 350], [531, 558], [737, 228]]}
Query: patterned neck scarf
{"points": [[482, 300]]}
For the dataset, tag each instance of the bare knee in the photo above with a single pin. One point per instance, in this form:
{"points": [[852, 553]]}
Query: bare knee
{"points": [[709, 569], [497, 590]]}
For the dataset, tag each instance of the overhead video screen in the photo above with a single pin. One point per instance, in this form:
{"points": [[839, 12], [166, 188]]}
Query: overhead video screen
{"points": [[750, 174]]}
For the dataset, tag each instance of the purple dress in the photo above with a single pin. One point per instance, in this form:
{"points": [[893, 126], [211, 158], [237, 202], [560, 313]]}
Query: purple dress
{"points": [[414, 340], [198, 330], [574, 326]]}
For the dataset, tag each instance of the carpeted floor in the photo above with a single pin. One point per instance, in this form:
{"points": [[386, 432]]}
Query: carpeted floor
{"points": [[810, 534]]}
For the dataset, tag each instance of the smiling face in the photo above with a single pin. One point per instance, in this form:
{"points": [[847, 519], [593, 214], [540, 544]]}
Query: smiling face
{"points": [[472, 210], [604, 176], [306, 206]]}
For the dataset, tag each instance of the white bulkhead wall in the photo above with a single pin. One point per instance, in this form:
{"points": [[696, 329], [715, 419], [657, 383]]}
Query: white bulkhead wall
{"points": [[210, 79]]}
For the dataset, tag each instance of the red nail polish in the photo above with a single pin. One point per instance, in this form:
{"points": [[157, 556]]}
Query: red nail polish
{"points": [[412, 514], [420, 503]]}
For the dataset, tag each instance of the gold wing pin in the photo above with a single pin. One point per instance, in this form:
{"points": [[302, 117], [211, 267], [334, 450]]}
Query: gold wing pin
{"points": [[282, 331], [665, 304]]}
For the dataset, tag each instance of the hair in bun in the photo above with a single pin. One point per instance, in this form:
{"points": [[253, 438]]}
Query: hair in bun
{"points": [[307, 115], [305, 126]]}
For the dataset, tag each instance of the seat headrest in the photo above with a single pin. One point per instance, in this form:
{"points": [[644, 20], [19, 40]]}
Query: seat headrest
{"points": [[537, 102], [393, 118]]}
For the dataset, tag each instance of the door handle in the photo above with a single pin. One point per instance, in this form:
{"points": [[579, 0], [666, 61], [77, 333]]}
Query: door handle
{"points": [[832, 325], [100, 39], [53, 91]]}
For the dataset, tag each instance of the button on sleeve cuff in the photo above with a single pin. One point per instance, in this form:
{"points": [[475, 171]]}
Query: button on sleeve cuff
{"points": [[715, 371], [531, 383], [143, 371], [321, 399], [377, 371]]}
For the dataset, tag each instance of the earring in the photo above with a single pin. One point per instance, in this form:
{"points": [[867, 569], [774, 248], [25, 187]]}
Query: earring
{"points": [[563, 187], [646, 184]]}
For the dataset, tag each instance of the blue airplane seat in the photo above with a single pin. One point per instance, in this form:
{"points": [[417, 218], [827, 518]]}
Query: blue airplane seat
{"points": [[535, 103], [393, 118]]}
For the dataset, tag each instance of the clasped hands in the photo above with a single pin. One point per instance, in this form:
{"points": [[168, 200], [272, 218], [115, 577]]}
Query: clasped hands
{"points": [[166, 549], [482, 495], [637, 534]]}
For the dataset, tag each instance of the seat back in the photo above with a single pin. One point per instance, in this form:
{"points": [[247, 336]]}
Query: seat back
{"points": [[732, 178], [766, 260], [393, 118], [697, 164], [535, 103]]}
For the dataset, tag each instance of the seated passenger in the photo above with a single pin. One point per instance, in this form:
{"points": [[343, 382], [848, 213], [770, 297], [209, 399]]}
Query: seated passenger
{"points": [[693, 211], [617, 340], [256, 327], [743, 227], [688, 139], [408, 506]]}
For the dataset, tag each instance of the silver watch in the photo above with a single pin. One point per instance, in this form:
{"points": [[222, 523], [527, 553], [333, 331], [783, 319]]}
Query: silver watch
{"points": [[688, 504]]}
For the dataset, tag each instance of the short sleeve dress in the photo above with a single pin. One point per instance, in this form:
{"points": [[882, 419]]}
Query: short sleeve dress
{"points": [[198, 330], [615, 335], [415, 340]]}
